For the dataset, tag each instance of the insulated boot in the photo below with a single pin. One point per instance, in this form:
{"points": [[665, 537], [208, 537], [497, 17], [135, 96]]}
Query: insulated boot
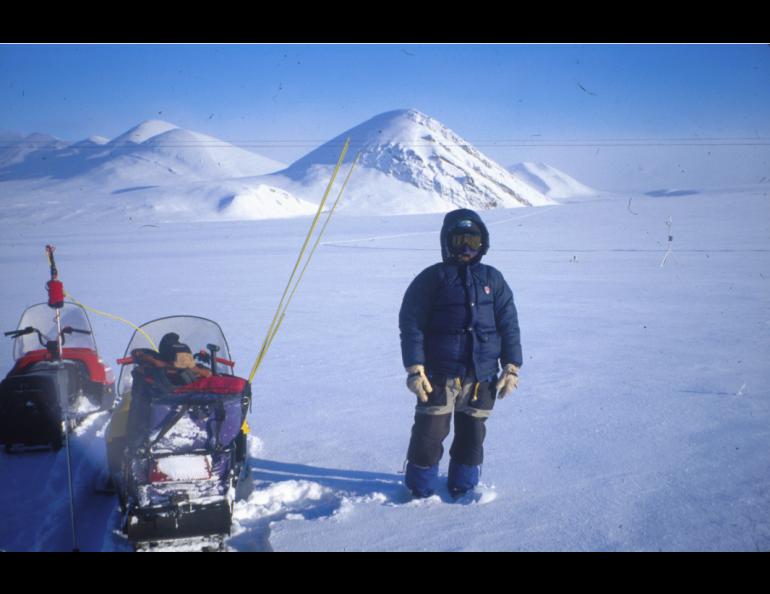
{"points": [[420, 479], [462, 478]]}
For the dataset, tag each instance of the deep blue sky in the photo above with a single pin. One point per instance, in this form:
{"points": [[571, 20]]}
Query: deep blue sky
{"points": [[283, 100]]}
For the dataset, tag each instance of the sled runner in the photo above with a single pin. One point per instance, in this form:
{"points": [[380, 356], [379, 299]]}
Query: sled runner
{"points": [[176, 445], [45, 387]]}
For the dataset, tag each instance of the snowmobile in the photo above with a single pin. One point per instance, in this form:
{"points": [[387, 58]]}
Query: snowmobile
{"points": [[176, 444], [48, 392]]}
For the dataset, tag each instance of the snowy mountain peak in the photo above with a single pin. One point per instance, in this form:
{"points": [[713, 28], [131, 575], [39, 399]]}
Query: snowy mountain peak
{"points": [[15, 149], [401, 126], [143, 132], [179, 137], [90, 142], [41, 139], [154, 153], [550, 181], [410, 147]]}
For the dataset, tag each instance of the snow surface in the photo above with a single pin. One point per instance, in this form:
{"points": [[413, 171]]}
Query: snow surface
{"points": [[642, 421], [185, 468]]}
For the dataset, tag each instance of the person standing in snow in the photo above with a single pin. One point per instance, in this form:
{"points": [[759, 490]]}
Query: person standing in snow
{"points": [[458, 324]]}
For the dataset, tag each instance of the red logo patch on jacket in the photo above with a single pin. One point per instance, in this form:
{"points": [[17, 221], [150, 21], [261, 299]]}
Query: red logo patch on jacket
{"points": [[487, 290]]}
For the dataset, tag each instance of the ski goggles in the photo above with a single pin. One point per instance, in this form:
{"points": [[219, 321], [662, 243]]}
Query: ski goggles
{"points": [[459, 240]]}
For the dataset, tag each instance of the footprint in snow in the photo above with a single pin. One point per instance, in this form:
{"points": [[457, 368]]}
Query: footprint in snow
{"points": [[281, 491]]}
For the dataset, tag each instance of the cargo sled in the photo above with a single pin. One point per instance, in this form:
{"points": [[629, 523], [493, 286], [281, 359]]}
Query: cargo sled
{"points": [[176, 445], [47, 393]]}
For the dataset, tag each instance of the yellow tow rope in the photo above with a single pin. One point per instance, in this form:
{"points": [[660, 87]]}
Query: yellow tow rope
{"points": [[113, 317], [304, 268], [281, 310]]}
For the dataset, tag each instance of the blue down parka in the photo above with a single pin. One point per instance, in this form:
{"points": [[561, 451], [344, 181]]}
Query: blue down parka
{"points": [[460, 319]]}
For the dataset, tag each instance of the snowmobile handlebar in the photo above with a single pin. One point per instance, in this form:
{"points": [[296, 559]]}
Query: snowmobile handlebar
{"points": [[21, 332], [40, 337], [29, 330], [211, 358], [206, 357], [70, 330]]}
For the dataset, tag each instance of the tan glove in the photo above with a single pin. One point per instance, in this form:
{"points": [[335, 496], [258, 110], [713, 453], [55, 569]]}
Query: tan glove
{"points": [[184, 361], [418, 383], [508, 382]]}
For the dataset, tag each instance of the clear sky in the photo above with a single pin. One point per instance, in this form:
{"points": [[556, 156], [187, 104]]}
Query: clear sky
{"points": [[284, 100]]}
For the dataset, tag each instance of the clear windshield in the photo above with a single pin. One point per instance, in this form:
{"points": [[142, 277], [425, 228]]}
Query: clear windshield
{"points": [[43, 318], [193, 331]]}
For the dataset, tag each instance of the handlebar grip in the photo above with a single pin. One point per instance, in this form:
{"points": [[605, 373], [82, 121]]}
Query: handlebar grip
{"points": [[70, 330], [125, 361], [20, 332]]}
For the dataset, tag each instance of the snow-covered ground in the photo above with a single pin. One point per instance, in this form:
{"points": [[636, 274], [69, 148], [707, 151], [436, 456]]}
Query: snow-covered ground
{"points": [[642, 421]]}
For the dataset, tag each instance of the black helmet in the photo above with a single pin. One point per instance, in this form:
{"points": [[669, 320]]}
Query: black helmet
{"points": [[463, 226], [169, 346], [466, 222]]}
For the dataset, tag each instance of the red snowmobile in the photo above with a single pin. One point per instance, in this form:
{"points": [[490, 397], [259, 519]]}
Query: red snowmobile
{"points": [[49, 391]]}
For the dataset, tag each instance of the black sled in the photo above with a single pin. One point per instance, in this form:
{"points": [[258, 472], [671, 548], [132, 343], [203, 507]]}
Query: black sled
{"points": [[46, 394]]}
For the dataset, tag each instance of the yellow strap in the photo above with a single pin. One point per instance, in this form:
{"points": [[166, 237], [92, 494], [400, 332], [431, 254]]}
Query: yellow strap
{"points": [[476, 392], [113, 317], [278, 317], [321, 232], [307, 261]]}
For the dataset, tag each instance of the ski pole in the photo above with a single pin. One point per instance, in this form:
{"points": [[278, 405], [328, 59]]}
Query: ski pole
{"points": [[56, 301], [75, 548], [272, 327]]}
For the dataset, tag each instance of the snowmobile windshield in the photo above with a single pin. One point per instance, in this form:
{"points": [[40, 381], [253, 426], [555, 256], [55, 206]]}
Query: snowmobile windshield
{"points": [[43, 318], [197, 333]]}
